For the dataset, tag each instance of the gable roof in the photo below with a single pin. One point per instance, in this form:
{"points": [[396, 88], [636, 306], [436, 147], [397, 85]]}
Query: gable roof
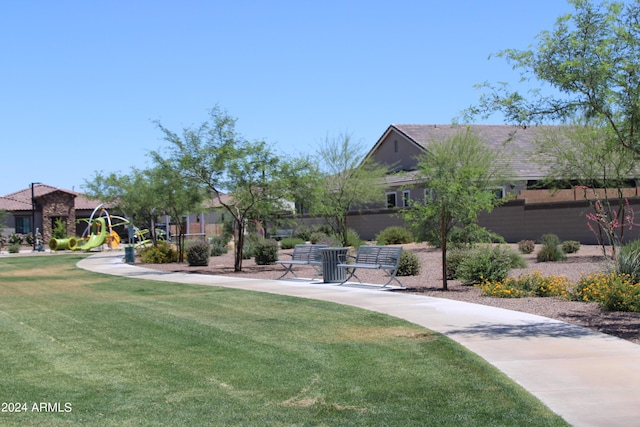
{"points": [[516, 142], [21, 200]]}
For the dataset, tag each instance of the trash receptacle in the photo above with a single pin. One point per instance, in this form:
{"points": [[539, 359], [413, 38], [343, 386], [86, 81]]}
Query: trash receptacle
{"points": [[129, 254], [331, 257]]}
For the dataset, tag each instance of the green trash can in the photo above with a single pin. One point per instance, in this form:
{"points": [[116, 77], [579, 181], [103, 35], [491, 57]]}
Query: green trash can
{"points": [[129, 254]]}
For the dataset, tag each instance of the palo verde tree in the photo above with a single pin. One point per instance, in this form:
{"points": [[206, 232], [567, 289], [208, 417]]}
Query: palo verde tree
{"points": [[247, 179], [591, 63], [348, 182], [460, 173]]}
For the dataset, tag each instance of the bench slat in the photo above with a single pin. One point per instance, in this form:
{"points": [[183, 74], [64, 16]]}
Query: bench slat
{"points": [[375, 257]]}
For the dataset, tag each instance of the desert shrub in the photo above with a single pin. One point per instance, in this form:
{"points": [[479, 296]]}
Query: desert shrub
{"points": [[526, 246], [550, 254], [14, 248], [316, 237], [16, 239], [218, 245], [534, 284], [161, 254], [570, 246], [395, 235], [507, 288], [550, 250], [487, 263], [291, 242], [409, 264], [612, 291], [353, 238], [628, 260], [454, 259], [329, 240], [198, 253], [550, 239], [249, 246], [304, 231], [266, 252]]}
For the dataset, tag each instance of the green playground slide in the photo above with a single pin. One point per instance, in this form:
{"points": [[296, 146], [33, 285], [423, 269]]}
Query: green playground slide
{"points": [[96, 239]]}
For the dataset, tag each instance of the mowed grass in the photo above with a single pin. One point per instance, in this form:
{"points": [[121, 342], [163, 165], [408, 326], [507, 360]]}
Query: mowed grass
{"points": [[103, 350]]}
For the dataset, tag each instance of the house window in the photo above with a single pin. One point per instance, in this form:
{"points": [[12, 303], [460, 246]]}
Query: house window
{"points": [[391, 200], [429, 194], [406, 198], [23, 225], [395, 145], [498, 192]]}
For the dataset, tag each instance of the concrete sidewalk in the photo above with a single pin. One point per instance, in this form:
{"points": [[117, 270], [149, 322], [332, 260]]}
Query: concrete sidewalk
{"points": [[588, 378]]}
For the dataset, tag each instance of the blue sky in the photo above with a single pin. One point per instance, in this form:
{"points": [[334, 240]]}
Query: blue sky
{"points": [[83, 81]]}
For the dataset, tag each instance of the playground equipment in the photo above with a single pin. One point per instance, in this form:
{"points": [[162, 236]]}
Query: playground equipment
{"points": [[63, 244], [99, 231]]}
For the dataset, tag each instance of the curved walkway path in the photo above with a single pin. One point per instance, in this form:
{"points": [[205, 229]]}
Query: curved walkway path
{"points": [[588, 378]]}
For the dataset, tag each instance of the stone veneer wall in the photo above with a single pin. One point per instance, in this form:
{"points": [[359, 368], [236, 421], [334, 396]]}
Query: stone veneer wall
{"points": [[57, 204]]}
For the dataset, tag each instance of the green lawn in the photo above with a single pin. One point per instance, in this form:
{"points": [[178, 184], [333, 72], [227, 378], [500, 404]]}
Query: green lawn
{"points": [[104, 350]]}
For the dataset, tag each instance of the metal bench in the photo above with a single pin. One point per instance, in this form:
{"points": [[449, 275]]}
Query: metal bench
{"points": [[385, 258], [303, 255], [282, 234]]}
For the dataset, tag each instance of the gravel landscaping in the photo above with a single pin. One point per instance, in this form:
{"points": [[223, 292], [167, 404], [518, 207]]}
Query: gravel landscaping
{"points": [[588, 259]]}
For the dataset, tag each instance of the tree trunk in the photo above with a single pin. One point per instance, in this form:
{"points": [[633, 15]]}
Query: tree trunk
{"points": [[237, 265], [443, 245]]}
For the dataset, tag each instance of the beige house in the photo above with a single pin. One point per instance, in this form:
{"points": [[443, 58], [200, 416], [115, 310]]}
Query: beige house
{"points": [[40, 205], [528, 214]]}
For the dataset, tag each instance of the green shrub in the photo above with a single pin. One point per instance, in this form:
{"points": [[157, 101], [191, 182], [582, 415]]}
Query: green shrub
{"points": [[198, 253], [329, 240], [409, 264], [570, 246], [317, 237], [291, 242], [163, 253], [219, 245], [550, 239], [550, 254], [303, 232], [526, 246], [353, 238], [266, 252], [59, 229], [455, 257], [488, 263], [249, 246], [14, 248], [550, 250], [628, 260], [395, 235]]}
